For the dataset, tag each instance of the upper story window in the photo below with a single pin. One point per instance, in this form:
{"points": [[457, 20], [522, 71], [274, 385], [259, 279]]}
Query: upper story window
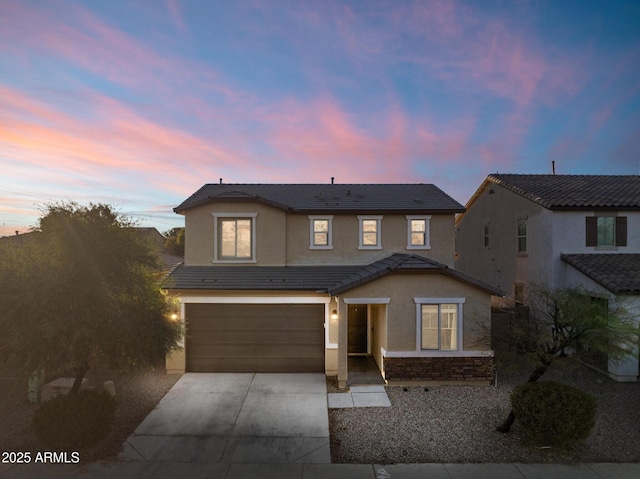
{"points": [[439, 323], [321, 232], [418, 232], [234, 237], [522, 236], [486, 235], [606, 231], [370, 232]]}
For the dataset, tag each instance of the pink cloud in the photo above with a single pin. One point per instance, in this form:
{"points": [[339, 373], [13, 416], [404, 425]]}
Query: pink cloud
{"points": [[117, 140], [623, 92], [324, 137], [77, 36], [176, 14], [461, 44]]}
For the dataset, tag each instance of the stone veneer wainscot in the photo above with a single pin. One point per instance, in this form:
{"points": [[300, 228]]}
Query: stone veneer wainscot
{"points": [[439, 369]]}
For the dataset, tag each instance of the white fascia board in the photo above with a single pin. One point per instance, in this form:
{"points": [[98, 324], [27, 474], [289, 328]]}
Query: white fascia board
{"points": [[366, 300], [255, 299]]}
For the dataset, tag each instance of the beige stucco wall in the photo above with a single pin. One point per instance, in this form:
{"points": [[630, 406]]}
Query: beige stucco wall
{"points": [[346, 241], [397, 327], [284, 238], [331, 362], [175, 362], [270, 228], [499, 264], [378, 314], [401, 310]]}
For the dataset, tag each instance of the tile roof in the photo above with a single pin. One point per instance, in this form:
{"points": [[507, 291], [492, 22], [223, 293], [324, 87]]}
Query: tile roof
{"points": [[326, 279], [619, 273], [170, 261], [339, 198], [306, 278], [575, 191]]}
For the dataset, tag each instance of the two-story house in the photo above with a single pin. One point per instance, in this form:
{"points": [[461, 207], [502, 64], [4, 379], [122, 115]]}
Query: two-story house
{"points": [[297, 277], [556, 230]]}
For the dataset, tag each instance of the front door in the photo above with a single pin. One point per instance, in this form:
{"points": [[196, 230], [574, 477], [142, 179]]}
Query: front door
{"points": [[358, 339]]}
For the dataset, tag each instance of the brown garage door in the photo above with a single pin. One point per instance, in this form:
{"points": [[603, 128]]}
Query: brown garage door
{"points": [[255, 337]]}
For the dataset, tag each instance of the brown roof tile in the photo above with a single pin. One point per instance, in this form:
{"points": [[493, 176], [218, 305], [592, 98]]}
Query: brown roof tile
{"points": [[575, 191], [339, 198], [619, 273], [327, 279]]}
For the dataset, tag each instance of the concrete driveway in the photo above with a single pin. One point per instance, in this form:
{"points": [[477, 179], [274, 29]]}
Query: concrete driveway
{"points": [[237, 418]]}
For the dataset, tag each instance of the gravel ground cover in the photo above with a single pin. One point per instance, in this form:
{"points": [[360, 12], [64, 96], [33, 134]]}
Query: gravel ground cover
{"points": [[456, 424], [441, 424], [137, 394]]}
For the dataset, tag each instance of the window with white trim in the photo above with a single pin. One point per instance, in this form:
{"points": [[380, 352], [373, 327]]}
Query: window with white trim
{"points": [[321, 232], [369, 234], [439, 323], [234, 237], [522, 236], [418, 232]]}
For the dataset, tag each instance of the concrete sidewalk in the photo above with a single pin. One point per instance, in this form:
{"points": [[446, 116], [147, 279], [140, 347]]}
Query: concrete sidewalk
{"points": [[164, 470], [360, 396]]}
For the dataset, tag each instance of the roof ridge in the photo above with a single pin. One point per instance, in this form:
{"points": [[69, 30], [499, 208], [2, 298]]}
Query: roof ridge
{"points": [[351, 198]]}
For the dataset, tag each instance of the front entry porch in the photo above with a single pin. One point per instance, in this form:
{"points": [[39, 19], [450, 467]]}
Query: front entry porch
{"points": [[363, 370]]}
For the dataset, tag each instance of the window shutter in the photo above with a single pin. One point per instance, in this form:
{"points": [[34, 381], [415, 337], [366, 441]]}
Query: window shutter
{"points": [[621, 231], [592, 230]]}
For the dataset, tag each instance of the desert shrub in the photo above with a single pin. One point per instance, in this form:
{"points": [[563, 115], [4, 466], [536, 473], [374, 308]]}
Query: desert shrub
{"points": [[553, 414], [72, 421]]}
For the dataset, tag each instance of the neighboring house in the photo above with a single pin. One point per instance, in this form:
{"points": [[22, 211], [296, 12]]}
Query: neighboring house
{"points": [[152, 235], [297, 277], [155, 238], [18, 238], [556, 230]]}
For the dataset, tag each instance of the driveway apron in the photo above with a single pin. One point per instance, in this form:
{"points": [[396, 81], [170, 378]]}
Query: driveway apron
{"points": [[237, 418]]}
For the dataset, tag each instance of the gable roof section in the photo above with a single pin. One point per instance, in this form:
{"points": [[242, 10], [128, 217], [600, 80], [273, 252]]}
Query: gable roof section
{"points": [[406, 263], [619, 273], [557, 192], [323, 279], [338, 198]]}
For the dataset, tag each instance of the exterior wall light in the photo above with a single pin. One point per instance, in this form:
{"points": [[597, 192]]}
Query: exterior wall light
{"points": [[334, 314], [174, 316]]}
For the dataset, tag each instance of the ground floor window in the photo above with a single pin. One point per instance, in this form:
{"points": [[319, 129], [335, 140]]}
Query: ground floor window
{"points": [[439, 326]]}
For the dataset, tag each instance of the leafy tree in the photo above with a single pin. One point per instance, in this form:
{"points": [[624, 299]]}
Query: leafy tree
{"points": [[570, 320], [174, 241], [84, 289]]}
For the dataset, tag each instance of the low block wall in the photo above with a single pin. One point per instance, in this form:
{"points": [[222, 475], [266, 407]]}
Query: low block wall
{"points": [[439, 368]]}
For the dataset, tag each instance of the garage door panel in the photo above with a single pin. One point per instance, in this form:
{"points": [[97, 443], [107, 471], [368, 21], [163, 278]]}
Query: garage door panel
{"points": [[239, 365], [255, 338]]}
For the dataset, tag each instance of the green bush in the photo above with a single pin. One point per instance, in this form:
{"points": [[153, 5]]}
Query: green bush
{"points": [[73, 421], [553, 414]]}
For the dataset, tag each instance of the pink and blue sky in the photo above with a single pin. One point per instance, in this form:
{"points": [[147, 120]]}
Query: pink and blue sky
{"points": [[139, 103]]}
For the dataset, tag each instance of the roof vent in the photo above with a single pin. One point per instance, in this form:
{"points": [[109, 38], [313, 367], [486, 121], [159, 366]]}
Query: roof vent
{"points": [[220, 180], [332, 179]]}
